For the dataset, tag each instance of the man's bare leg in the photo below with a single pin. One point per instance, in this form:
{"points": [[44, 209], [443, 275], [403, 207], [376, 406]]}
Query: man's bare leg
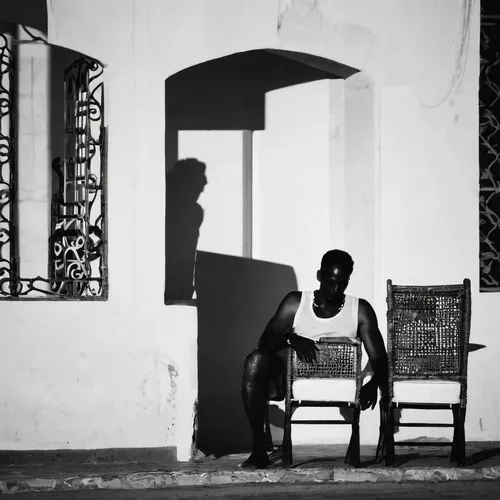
{"points": [[257, 374]]}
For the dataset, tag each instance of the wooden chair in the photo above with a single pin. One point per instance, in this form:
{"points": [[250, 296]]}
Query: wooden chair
{"points": [[428, 330], [333, 381]]}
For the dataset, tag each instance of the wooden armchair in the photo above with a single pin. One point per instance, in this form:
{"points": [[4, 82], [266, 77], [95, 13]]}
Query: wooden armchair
{"points": [[333, 381], [428, 331]]}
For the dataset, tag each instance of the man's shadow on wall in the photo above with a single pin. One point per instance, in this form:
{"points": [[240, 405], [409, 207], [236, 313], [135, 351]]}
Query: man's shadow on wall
{"points": [[184, 216]]}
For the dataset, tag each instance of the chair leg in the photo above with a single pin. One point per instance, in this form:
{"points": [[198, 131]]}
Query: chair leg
{"points": [[353, 451], [347, 459], [380, 453], [348, 454], [462, 449], [458, 446], [269, 437], [287, 453], [453, 455], [389, 436]]}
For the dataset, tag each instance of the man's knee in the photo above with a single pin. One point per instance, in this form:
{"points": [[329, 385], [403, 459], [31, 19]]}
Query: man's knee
{"points": [[256, 359]]}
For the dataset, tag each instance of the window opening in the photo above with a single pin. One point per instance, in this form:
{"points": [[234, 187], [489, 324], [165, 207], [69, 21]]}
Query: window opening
{"points": [[77, 243], [489, 153]]}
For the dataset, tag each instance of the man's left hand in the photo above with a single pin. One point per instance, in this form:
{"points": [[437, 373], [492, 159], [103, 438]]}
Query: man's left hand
{"points": [[368, 395]]}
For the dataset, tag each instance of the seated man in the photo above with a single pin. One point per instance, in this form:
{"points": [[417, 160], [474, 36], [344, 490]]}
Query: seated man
{"points": [[301, 319]]}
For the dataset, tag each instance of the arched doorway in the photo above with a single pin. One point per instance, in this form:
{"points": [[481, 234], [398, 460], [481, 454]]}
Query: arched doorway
{"points": [[216, 113]]}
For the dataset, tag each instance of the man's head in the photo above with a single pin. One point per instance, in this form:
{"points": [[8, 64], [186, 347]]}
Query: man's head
{"points": [[336, 269], [188, 178]]}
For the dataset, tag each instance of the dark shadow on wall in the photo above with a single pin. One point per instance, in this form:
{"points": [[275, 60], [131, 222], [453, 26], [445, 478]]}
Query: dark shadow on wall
{"points": [[60, 60], [184, 216], [236, 299], [29, 13]]}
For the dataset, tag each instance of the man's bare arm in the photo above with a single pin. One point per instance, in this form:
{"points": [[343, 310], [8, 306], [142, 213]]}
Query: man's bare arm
{"points": [[280, 327], [374, 344], [281, 324]]}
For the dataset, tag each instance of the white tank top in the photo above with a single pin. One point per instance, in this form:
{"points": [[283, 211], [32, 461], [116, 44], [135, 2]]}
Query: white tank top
{"points": [[344, 324]]}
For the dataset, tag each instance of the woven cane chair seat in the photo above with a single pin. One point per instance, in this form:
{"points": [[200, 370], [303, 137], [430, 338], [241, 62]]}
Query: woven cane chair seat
{"points": [[426, 391], [321, 389]]}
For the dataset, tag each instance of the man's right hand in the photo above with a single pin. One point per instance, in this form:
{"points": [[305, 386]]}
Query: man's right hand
{"points": [[305, 348]]}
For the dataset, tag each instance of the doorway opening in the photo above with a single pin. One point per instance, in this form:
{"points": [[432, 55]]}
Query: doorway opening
{"points": [[247, 139]]}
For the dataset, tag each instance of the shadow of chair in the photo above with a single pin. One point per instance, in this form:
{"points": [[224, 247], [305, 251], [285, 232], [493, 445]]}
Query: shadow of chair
{"points": [[334, 380], [428, 330], [480, 456]]}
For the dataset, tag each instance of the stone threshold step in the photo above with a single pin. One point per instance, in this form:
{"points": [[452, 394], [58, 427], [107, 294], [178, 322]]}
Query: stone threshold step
{"points": [[164, 480]]}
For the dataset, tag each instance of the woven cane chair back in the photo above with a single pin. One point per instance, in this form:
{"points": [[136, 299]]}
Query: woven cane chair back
{"points": [[428, 332], [337, 358]]}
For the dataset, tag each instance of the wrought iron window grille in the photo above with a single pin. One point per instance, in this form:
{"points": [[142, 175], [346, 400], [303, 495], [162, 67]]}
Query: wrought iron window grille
{"points": [[77, 267], [489, 154]]}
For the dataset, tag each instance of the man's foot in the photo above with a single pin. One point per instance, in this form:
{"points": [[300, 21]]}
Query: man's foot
{"points": [[255, 461]]}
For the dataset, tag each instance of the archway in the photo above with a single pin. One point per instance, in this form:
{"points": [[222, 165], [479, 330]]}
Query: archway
{"points": [[214, 110]]}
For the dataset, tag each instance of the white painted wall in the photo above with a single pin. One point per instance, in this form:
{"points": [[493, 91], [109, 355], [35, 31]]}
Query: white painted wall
{"points": [[418, 109], [79, 385], [291, 180]]}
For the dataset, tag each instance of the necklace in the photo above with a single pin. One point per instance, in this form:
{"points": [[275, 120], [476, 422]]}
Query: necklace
{"points": [[342, 305], [317, 306]]}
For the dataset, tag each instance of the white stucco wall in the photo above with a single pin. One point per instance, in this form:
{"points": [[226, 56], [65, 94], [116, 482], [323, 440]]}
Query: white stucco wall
{"points": [[291, 172], [402, 146]]}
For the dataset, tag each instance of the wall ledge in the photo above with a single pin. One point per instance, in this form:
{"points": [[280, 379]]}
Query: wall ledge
{"points": [[88, 457]]}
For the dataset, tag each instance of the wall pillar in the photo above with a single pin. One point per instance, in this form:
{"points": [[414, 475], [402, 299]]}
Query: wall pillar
{"points": [[361, 177]]}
